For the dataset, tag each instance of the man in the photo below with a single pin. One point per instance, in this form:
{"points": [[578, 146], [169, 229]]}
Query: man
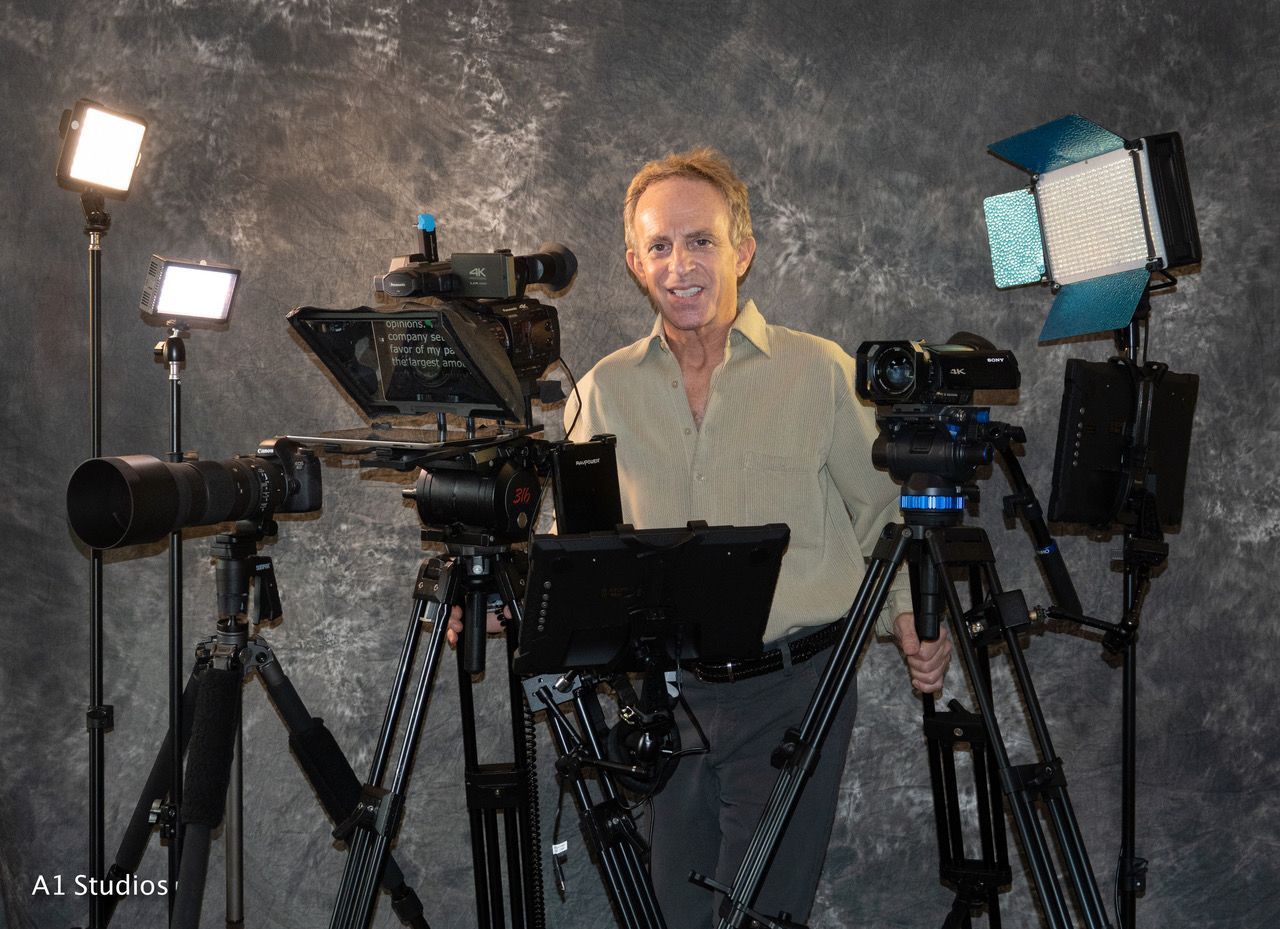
{"points": [[723, 417]]}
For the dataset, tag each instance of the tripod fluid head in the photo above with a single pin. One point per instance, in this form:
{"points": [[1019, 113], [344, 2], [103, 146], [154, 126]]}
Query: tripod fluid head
{"points": [[480, 493], [936, 452]]}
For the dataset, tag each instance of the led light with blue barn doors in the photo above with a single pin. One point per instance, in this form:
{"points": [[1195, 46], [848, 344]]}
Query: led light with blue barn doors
{"points": [[191, 291], [100, 149], [1101, 214]]}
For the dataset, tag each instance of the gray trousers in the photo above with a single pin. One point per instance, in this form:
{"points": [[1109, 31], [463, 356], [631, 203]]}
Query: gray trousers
{"points": [[705, 816]]}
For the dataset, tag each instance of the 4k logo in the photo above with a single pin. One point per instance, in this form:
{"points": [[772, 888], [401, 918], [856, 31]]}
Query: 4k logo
{"points": [[523, 496], [477, 273]]}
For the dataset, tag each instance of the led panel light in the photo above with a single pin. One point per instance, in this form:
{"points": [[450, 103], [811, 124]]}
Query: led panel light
{"points": [[1099, 215], [188, 290], [101, 147], [1092, 216]]}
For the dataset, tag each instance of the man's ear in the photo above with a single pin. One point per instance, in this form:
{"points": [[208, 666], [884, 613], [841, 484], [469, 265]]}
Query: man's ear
{"points": [[746, 252], [633, 264], [636, 267]]}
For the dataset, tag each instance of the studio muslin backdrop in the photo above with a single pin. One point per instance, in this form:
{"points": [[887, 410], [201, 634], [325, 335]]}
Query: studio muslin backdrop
{"points": [[297, 141]]}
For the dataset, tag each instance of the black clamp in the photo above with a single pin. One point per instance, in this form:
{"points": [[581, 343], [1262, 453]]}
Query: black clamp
{"points": [[1036, 776], [378, 811], [795, 753], [1133, 875], [100, 717]]}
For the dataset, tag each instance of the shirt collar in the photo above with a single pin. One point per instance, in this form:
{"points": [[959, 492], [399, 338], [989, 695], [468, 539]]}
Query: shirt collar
{"points": [[749, 324]]}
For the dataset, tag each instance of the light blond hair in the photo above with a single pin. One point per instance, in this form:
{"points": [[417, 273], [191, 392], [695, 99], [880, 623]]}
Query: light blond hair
{"points": [[704, 164]]}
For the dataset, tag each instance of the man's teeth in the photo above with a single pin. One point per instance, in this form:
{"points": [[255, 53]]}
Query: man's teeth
{"points": [[687, 292]]}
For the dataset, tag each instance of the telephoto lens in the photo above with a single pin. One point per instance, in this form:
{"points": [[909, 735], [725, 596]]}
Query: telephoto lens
{"points": [[135, 499]]}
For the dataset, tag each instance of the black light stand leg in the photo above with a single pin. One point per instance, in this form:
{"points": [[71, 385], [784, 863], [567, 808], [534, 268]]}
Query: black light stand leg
{"points": [[374, 824]]}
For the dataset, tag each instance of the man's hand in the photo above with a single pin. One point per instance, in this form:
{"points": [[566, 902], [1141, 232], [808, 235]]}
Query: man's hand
{"points": [[492, 625], [926, 661]]}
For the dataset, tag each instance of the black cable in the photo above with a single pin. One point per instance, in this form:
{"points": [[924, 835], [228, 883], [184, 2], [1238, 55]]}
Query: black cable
{"points": [[574, 380], [539, 913]]}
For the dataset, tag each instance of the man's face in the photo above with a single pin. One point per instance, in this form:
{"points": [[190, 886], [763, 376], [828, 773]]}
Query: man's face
{"points": [[684, 257]]}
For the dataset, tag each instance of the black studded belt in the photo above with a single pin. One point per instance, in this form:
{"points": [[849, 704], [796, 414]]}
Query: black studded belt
{"points": [[737, 669]]}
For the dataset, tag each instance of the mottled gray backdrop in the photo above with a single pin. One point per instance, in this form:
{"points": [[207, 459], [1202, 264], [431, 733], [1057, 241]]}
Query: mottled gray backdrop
{"points": [[297, 140]]}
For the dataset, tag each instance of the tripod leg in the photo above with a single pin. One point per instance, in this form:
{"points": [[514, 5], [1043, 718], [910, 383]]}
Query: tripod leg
{"points": [[327, 770], [1056, 798], [377, 816], [484, 845], [525, 868], [889, 554], [133, 845], [977, 881], [610, 830], [1020, 785], [213, 733]]}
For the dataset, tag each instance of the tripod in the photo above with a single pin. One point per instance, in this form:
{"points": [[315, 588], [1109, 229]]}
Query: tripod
{"points": [[952, 443], [610, 826], [465, 577], [210, 736]]}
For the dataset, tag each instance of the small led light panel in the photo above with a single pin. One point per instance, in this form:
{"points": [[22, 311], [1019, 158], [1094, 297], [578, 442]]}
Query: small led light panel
{"points": [[1099, 216], [100, 149], [188, 290]]}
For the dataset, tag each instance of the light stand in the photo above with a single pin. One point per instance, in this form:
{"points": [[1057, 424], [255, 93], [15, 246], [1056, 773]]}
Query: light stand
{"points": [[100, 717], [172, 353], [202, 292], [100, 150], [1150, 471]]}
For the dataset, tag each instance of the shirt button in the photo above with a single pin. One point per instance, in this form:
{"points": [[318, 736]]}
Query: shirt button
{"points": [[675, 383], [688, 431], [700, 476]]}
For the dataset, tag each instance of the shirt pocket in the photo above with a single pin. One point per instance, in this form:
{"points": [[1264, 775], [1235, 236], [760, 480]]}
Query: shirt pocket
{"points": [[785, 489]]}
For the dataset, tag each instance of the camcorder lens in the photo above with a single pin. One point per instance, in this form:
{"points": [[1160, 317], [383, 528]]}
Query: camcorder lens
{"points": [[895, 372]]}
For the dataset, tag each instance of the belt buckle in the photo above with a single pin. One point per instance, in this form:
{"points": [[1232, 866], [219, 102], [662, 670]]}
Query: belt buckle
{"points": [[728, 670]]}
